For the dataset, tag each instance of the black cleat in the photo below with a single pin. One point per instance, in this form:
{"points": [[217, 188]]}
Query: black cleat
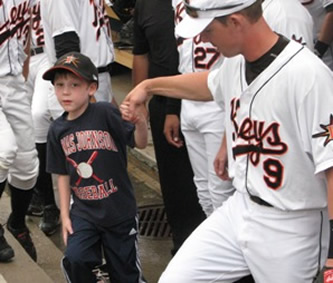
{"points": [[22, 235], [50, 219], [6, 251], [36, 205]]}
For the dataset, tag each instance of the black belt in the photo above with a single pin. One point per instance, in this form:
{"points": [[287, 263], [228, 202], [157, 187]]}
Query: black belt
{"points": [[104, 69], [35, 51], [260, 201]]}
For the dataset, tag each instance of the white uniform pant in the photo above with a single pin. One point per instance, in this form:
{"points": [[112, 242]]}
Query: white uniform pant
{"points": [[104, 91], [202, 124], [45, 106], [242, 237], [18, 155]]}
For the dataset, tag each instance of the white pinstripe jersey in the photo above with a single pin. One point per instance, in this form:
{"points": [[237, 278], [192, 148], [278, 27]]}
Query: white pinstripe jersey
{"points": [[14, 30], [279, 128], [88, 19], [37, 31]]}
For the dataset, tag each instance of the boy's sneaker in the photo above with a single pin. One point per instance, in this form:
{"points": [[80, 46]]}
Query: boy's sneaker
{"points": [[50, 219], [6, 251], [36, 205], [22, 235]]}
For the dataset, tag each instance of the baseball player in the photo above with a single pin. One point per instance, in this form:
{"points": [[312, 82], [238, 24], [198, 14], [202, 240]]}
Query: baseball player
{"points": [[80, 25], [45, 108], [201, 121], [322, 14], [278, 120], [18, 155], [290, 19]]}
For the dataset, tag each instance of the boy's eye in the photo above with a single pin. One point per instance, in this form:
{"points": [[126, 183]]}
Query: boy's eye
{"points": [[59, 84]]}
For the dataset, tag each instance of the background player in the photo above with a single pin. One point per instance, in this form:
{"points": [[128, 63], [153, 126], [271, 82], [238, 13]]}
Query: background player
{"points": [[280, 143], [322, 14], [18, 155], [45, 108], [201, 121], [80, 25], [155, 54]]}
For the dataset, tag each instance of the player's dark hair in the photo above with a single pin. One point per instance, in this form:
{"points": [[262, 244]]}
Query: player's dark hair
{"points": [[253, 13]]}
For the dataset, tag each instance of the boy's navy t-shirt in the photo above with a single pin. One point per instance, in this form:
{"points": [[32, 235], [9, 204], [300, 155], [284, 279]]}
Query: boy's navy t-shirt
{"points": [[92, 151]]}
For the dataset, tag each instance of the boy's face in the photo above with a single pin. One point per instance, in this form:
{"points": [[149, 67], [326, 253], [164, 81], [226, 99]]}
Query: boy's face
{"points": [[73, 93]]}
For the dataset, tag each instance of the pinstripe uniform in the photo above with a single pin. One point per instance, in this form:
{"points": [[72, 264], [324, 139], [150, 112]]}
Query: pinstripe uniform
{"points": [[18, 156], [317, 10], [88, 19], [201, 122]]}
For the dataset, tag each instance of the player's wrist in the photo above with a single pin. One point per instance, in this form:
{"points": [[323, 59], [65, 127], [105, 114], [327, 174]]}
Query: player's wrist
{"points": [[320, 48]]}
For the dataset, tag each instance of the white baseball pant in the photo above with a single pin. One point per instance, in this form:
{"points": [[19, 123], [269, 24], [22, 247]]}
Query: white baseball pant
{"points": [[202, 125], [18, 155], [45, 106], [242, 237]]}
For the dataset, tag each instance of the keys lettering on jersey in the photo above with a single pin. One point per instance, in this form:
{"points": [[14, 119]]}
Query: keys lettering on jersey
{"points": [[17, 24], [259, 141], [327, 133], [100, 19], [36, 25], [98, 192]]}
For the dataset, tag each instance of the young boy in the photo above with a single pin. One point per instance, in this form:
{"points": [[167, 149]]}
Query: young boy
{"points": [[87, 150]]}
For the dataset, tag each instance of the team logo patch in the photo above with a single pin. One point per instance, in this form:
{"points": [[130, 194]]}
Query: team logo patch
{"points": [[71, 59], [328, 131]]}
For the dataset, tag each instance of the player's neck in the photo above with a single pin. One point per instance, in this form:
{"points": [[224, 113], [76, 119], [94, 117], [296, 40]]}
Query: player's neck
{"points": [[260, 39]]}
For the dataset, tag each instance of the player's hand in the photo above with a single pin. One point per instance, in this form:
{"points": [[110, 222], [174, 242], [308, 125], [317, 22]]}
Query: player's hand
{"points": [[221, 163], [66, 229], [171, 130], [137, 97]]}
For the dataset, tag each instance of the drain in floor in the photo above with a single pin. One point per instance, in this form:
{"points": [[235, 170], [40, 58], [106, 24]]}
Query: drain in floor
{"points": [[153, 222]]}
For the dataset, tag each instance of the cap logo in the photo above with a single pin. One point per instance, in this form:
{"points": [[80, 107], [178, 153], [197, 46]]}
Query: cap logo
{"points": [[71, 59]]}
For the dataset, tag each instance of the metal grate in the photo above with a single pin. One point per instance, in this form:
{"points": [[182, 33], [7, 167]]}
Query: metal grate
{"points": [[153, 222]]}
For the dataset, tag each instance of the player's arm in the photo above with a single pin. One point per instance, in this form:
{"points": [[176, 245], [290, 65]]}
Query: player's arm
{"points": [[65, 197], [140, 68], [191, 86], [325, 37]]}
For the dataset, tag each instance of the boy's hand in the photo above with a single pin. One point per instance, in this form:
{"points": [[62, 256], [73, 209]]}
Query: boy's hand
{"points": [[141, 113], [66, 229]]}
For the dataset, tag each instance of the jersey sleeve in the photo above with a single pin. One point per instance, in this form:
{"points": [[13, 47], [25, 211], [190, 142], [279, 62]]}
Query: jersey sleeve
{"points": [[141, 45], [56, 160], [316, 121], [214, 85]]}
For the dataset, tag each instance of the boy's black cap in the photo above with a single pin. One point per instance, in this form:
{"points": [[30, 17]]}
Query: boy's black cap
{"points": [[75, 62]]}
